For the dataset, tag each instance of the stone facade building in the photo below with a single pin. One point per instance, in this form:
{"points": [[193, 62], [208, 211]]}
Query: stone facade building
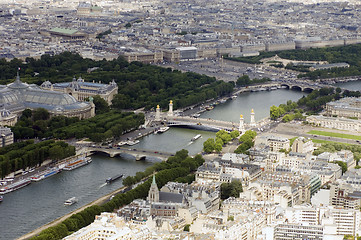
{"points": [[82, 90], [17, 96]]}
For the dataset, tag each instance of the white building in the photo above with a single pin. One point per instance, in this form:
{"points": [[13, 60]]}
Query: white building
{"points": [[274, 142], [311, 220], [110, 226], [339, 123], [302, 145]]}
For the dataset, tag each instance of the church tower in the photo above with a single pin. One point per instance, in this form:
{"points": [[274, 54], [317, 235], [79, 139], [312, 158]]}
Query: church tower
{"points": [[153, 195]]}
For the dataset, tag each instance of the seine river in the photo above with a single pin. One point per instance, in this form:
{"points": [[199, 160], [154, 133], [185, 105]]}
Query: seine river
{"points": [[39, 203]]}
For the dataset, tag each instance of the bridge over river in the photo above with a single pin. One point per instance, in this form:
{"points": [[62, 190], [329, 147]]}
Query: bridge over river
{"points": [[201, 123], [139, 154]]}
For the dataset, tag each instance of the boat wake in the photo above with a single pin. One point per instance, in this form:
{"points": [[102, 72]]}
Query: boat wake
{"points": [[104, 184]]}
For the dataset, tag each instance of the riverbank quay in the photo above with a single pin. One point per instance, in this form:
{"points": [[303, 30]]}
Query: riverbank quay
{"points": [[99, 201], [47, 164]]}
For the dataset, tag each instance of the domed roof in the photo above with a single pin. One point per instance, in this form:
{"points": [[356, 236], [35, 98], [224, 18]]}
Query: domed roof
{"points": [[5, 113], [48, 97], [17, 96], [18, 84], [46, 84], [8, 97]]}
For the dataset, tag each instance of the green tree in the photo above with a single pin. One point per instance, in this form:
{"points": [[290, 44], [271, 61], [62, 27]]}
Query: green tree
{"points": [[232, 189], [101, 106], [209, 145], [56, 152], [40, 114], [186, 227], [234, 134]]}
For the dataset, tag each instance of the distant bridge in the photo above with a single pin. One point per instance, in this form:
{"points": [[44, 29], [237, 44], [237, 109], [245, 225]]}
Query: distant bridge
{"points": [[202, 123], [304, 86], [139, 154]]}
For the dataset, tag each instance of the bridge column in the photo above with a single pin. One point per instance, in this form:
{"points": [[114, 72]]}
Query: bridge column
{"points": [[111, 154], [241, 128], [157, 114], [170, 111], [253, 122]]}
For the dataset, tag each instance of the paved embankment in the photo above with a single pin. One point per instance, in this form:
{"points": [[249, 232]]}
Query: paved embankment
{"points": [[59, 220]]}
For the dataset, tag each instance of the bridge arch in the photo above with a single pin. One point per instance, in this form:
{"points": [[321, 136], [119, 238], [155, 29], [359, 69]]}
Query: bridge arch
{"points": [[285, 85], [193, 126], [308, 89], [99, 151], [297, 88]]}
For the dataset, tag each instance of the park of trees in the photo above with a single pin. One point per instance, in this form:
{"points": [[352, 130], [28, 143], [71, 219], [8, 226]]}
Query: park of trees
{"points": [[140, 85], [312, 103], [27, 154], [246, 81], [350, 54], [106, 125]]}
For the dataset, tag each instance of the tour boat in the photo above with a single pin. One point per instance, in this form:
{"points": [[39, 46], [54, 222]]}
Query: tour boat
{"points": [[79, 162], [15, 186], [196, 137], [45, 174], [71, 201]]}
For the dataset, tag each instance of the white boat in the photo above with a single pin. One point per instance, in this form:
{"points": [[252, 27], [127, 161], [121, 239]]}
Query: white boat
{"points": [[131, 143], [196, 137], [71, 201], [122, 143], [162, 130]]}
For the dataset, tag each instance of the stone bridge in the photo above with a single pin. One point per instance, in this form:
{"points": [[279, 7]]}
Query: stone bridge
{"points": [[139, 154], [202, 123]]}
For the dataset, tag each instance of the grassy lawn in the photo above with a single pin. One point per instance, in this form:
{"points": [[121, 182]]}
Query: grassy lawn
{"points": [[332, 134], [324, 141]]}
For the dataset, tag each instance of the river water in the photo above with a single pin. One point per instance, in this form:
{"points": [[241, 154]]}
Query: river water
{"points": [[354, 85], [39, 203]]}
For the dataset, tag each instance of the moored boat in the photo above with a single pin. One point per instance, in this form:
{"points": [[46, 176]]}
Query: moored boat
{"points": [[131, 143], [122, 143], [45, 174], [15, 186], [162, 130], [1, 198], [79, 162]]}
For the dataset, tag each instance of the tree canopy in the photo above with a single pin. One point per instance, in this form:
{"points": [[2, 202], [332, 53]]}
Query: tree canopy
{"points": [[140, 85]]}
